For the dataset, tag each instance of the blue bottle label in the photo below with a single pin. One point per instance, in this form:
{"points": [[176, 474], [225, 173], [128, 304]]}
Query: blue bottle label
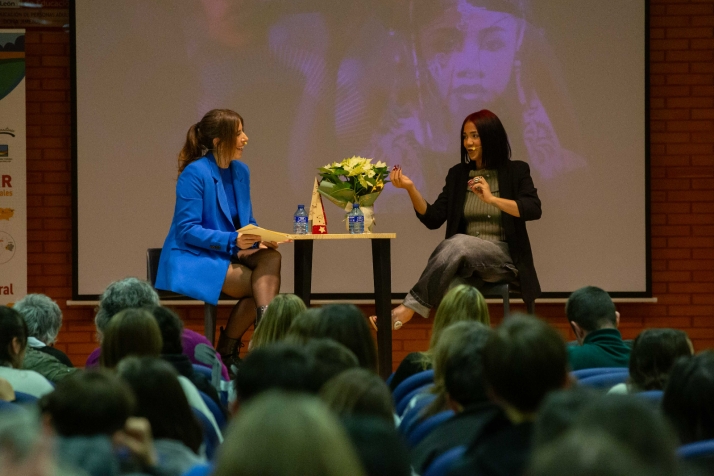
{"points": [[301, 220]]}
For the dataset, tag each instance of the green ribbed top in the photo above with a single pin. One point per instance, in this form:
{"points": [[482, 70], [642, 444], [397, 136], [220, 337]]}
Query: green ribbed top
{"points": [[484, 220]]}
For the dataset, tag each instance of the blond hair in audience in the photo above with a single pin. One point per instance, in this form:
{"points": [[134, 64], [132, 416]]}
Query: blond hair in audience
{"points": [[358, 392], [461, 303], [280, 434], [276, 320]]}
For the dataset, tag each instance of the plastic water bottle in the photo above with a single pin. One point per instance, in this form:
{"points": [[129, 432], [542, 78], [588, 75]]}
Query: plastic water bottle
{"points": [[300, 221], [356, 220]]}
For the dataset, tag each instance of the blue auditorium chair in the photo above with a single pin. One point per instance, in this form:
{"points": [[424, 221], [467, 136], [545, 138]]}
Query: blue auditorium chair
{"points": [[421, 430], [443, 463], [415, 381], [210, 437], [605, 381], [583, 373], [697, 449]]}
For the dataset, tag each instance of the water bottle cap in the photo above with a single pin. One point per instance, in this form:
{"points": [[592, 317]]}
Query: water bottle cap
{"points": [[355, 205], [301, 206]]}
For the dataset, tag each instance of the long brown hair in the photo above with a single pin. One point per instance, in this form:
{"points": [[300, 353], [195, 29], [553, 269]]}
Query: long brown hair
{"points": [[221, 124], [133, 331]]}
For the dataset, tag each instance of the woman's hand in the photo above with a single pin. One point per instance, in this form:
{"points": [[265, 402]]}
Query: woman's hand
{"points": [[7, 393], [245, 241], [398, 179], [480, 187], [264, 245], [136, 437]]}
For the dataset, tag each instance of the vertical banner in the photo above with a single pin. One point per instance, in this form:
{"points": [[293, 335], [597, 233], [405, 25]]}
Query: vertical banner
{"points": [[13, 181]]}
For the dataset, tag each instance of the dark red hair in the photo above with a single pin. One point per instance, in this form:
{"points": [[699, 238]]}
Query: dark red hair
{"points": [[494, 140]]}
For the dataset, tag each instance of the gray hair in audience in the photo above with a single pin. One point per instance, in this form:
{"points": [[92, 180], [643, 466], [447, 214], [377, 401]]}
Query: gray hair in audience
{"points": [[124, 294], [586, 453], [42, 315], [19, 431]]}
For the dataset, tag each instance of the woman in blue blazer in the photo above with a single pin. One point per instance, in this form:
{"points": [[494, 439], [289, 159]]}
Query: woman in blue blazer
{"points": [[203, 254]]}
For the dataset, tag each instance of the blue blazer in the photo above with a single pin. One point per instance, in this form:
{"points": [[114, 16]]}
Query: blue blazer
{"points": [[197, 250]]}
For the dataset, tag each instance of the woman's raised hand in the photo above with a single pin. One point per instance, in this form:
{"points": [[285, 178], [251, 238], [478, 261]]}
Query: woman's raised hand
{"points": [[398, 179], [480, 187], [245, 240]]}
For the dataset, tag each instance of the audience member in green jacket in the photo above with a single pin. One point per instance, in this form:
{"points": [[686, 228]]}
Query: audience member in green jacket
{"points": [[594, 320], [46, 365]]}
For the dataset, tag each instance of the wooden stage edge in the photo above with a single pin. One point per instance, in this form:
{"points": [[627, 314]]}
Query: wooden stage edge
{"points": [[192, 302]]}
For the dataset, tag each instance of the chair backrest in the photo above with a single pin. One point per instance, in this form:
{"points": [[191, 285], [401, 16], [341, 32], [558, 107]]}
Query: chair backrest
{"points": [[389, 379], [208, 355], [411, 416], [9, 407], [696, 449], [605, 380], [152, 264], [402, 404], [443, 463], [584, 373], [200, 470], [421, 430], [408, 385], [653, 396], [203, 370], [215, 410], [23, 398], [210, 437]]}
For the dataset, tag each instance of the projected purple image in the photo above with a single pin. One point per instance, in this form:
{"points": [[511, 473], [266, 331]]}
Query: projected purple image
{"points": [[394, 82]]}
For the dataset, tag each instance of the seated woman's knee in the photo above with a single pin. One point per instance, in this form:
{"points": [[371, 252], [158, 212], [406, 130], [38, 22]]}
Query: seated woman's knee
{"points": [[271, 256]]}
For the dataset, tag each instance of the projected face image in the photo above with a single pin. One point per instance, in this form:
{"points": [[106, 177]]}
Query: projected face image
{"points": [[470, 52]]}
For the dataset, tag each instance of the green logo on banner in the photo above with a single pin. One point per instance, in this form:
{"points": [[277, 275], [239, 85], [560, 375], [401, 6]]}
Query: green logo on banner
{"points": [[12, 61]]}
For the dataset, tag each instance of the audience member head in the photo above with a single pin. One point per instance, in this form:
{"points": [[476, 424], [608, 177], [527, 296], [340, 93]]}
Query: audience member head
{"points": [[358, 392], [24, 448], [589, 309], [379, 446], [635, 425], [689, 398], [279, 366], [124, 294], [559, 411], [654, 352], [454, 339], [585, 453], [13, 337], [286, 435], [161, 400], [329, 358], [524, 360], [346, 324], [88, 403], [171, 329], [42, 315], [277, 320], [461, 303], [303, 328], [463, 366], [131, 332]]}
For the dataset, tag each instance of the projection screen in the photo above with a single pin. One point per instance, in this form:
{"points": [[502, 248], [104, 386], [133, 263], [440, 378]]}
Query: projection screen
{"points": [[321, 80]]}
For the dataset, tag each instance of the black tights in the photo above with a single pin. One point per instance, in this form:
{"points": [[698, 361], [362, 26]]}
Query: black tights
{"points": [[256, 283]]}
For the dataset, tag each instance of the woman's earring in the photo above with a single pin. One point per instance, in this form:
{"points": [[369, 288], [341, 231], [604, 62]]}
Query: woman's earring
{"points": [[467, 159]]}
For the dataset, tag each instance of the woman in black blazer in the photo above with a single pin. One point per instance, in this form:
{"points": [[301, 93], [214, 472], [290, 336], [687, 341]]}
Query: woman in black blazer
{"points": [[485, 203]]}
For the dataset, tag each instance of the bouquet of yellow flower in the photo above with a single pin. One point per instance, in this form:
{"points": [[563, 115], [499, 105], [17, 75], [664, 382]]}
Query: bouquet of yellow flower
{"points": [[354, 180]]}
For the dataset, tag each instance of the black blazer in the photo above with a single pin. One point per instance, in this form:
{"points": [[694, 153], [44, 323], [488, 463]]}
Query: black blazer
{"points": [[514, 183]]}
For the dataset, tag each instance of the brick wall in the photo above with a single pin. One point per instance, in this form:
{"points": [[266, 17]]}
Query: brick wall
{"points": [[682, 168]]}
